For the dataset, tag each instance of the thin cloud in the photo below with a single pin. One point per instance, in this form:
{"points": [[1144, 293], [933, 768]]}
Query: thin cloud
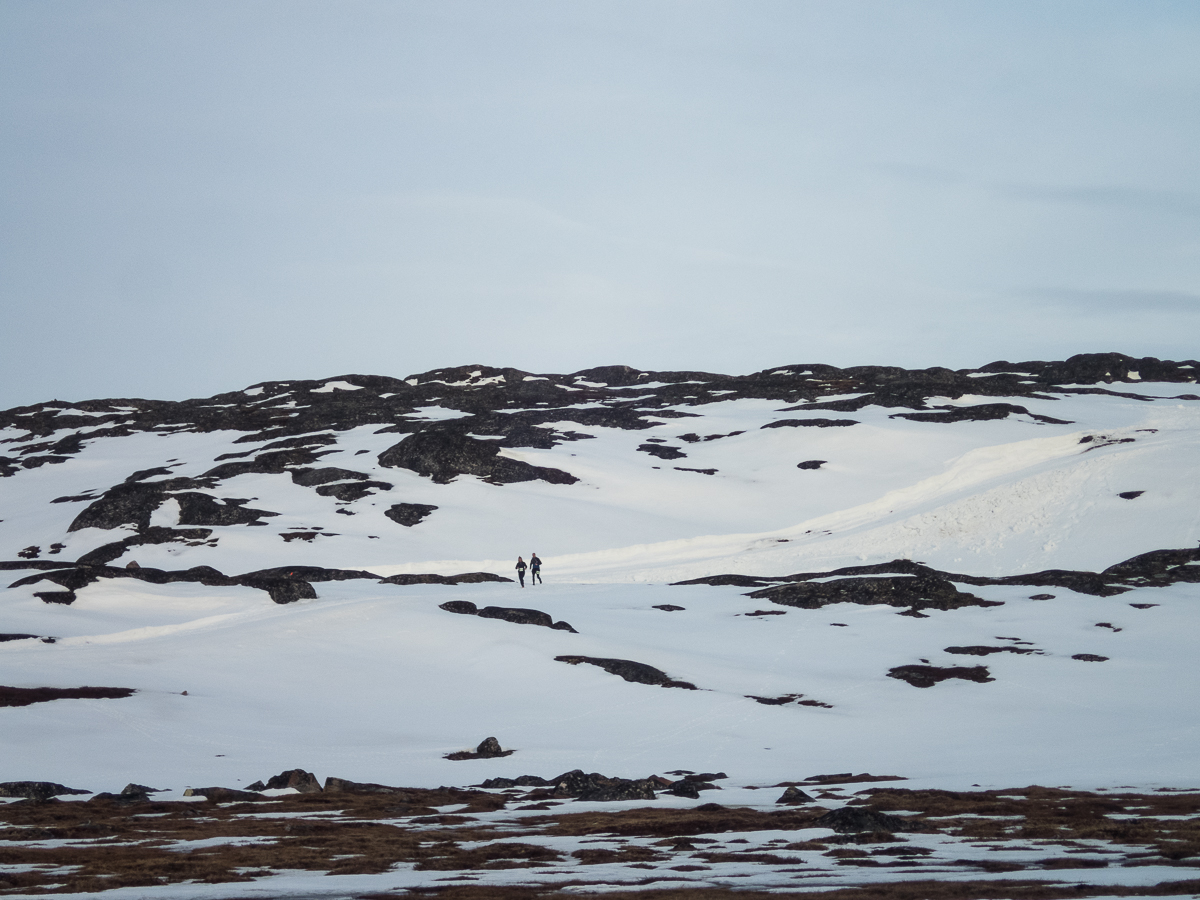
{"points": [[1119, 300], [1109, 196]]}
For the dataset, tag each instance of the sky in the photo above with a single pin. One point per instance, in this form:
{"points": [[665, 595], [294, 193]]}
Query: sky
{"points": [[199, 196]]}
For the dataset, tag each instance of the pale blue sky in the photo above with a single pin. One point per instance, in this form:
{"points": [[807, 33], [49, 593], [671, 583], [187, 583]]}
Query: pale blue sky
{"points": [[197, 196]]}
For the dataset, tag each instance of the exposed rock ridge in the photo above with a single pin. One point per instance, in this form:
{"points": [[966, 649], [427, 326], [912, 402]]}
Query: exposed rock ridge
{"points": [[284, 584], [517, 407], [931, 587]]}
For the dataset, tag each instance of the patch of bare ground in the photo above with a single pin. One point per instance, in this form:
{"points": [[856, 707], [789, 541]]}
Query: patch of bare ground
{"points": [[149, 843], [115, 843], [1164, 823], [708, 818]]}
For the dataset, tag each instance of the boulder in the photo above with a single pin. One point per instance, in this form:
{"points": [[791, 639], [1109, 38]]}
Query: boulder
{"points": [[224, 795], [630, 670], [38, 791], [598, 788], [489, 748], [409, 514], [131, 793], [300, 780], [793, 796], [855, 819], [662, 452], [462, 607], [517, 615], [345, 786], [521, 781], [928, 676]]}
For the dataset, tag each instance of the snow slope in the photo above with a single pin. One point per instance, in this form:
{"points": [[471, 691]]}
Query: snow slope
{"points": [[375, 682]]}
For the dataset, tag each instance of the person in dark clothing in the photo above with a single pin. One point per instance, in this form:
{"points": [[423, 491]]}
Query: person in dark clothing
{"points": [[521, 570], [535, 569]]}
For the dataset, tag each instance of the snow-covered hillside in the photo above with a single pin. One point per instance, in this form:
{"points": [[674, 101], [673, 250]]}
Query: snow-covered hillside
{"points": [[277, 532]]}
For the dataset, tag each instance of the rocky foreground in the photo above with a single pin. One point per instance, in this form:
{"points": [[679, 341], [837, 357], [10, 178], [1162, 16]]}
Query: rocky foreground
{"points": [[827, 835]]}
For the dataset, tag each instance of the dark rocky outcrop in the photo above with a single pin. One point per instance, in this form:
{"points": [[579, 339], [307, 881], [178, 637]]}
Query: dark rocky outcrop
{"points": [[291, 419], [131, 793], [155, 535], [224, 795], [15, 696], [131, 503], [597, 787], [344, 785], [1158, 568], [811, 464], [851, 819], [980, 650], [299, 779], [637, 672], [202, 509], [288, 590], [462, 607], [692, 784], [285, 584], [787, 699], [979, 413], [793, 796], [74, 576], [516, 615], [36, 790], [271, 463], [927, 676], [409, 514], [316, 477], [65, 598], [662, 452], [811, 423], [520, 616], [849, 778], [305, 573], [521, 781], [428, 578], [600, 788], [444, 454], [349, 491], [914, 591], [489, 748]]}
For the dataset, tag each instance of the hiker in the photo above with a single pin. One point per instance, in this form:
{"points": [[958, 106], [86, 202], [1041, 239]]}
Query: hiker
{"points": [[521, 570], [535, 569]]}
